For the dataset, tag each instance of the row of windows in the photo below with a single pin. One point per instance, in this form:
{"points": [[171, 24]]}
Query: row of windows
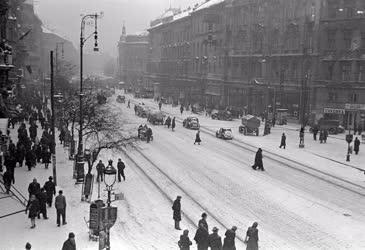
{"points": [[348, 37]]}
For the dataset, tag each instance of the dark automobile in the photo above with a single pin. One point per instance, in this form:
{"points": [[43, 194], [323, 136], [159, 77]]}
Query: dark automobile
{"points": [[156, 118], [121, 99], [197, 109], [332, 126], [191, 123], [221, 115], [250, 125], [224, 133]]}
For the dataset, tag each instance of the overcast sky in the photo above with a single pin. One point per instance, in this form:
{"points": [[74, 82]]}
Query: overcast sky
{"points": [[63, 17]]}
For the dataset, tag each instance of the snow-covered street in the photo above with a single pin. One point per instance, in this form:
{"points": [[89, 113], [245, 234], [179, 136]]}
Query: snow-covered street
{"points": [[301, 201]]}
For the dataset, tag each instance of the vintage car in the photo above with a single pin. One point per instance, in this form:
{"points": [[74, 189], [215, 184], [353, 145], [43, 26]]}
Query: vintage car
{"points": [[121, 99], [191, 122], [250, 125], [142, 111], [197, 108], [221, 115], [224, 133], [332, 126], [156, 118], [142, 133]]}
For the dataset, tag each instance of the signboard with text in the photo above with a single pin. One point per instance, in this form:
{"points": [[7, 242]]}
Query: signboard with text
{"points": [[334, 111]]}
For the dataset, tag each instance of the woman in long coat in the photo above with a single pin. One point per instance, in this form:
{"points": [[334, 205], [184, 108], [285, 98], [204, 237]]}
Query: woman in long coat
{"points": [[252, 237], [173, 124], [33, 208], [197, 138]]}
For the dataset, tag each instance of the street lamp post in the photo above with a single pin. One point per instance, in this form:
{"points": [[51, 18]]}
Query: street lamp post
{"points": [[83, 39], [110, 175]]}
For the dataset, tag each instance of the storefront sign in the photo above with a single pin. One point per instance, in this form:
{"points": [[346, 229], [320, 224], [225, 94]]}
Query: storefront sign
{"points": [[333, 111], [354, 106]]}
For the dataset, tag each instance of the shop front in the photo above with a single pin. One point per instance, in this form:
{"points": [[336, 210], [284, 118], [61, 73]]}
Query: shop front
{"points": [[355, 116]]}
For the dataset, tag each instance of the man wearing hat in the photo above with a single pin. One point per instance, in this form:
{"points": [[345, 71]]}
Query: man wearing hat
{"points": [[215, 241], [176, 207], [50, 188], [70, 243]]}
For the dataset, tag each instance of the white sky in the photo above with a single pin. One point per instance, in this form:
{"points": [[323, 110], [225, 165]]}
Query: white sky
{"points": [[63, 17]]}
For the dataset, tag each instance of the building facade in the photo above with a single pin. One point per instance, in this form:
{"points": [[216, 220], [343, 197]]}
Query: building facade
{"points": [[339, 91], [132, 59]]}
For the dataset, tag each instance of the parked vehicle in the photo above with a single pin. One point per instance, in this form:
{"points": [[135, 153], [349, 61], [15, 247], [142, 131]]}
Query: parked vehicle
{"points": [[221, 115], [197, 108], [191, 122], [142, 111], [156, 118], [101, 98], [143, 134], [250, 125], [332, 126], [121, 99], [281, 116], [224, 133]]}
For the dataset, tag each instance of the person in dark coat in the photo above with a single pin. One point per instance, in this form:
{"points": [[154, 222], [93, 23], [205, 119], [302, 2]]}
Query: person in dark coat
{"points": [[33, 131], [229, 240], [215, 241], [46, 158], [20, 153], [168, 122], [50, 188], [258, 160], [10, 163], [283, 141], [197, 138], [60, 204], [12, 148], [70, 243], [33, 208], [181, 109], [321, 136], [62, 136], [100, 171], [325, 135], [202, 233], [121, 167], [42, 197], [28, 246], [149, 134], [173, 124], [315, 132], [8, 179], [252, 237], [176, 207], [356, 145], [34, 188], [184, 242]]}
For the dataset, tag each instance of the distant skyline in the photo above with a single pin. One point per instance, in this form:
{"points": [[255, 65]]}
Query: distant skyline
{"points": [[63, 17]]}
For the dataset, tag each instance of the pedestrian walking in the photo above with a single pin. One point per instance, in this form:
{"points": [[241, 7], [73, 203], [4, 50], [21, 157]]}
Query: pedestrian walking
{"points": [[315, 132], [176, 207], [184, 243], [357, 145], [229, 240], [50, 188], [181, 109], [215, 241], [197, 138], [100, 167], [202, 234], [70, 243], [46, 158], [28, 246], [8, 179], [283, 141], [301, 136], [42, 198], [34, 188], [129, 104], [173, 124], [60, 204], [252, 237], [258, 161], [33, 208], [149, 134], [121, 167], [168, 122], [325, 135], [160, 105], [321, 136]]}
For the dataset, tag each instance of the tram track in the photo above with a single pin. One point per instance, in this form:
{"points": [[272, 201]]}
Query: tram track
{"points": [[290, 163], [167, 179]]}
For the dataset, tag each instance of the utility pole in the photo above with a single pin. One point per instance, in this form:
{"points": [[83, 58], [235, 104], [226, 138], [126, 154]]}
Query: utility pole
{"points": [[53, 149]]}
